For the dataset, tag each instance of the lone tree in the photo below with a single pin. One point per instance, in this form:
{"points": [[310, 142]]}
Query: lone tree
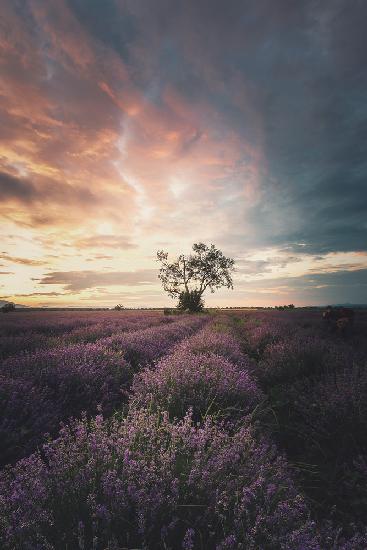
{"points": [[9, 306], [188, 277]]}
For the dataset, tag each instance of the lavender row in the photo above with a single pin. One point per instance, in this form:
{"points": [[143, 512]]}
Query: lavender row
{"points": [[153, 342], [39, 390], [316, 382], [55, 323], [31, 340], [148, 482], [259, 330], [206, 373], [167, 478]]}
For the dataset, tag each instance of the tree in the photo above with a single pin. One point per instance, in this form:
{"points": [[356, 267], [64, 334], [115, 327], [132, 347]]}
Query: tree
{"points": [[6, 308], [188, 277], [119, 307]]}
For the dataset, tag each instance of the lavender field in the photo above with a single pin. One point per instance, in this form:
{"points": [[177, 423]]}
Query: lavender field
{"points": [[139, 430]]}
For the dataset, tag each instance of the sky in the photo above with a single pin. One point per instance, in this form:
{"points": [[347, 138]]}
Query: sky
{"points": [[130, 126]]}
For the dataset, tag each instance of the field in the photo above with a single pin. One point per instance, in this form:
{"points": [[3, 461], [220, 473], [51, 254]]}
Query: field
{"points": [[138, 430]]}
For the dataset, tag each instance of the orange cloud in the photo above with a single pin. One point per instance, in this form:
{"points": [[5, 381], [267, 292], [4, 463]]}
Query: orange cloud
{"points": [[81, 280], [22, 261], [88, 141]]}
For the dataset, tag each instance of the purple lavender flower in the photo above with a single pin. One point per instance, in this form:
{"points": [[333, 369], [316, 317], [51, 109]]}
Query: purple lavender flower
{"points": [[206, 383], [213, 341], [141, 348], [145, 482]]}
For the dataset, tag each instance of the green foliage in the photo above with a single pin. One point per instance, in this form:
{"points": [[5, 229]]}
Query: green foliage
{"points": [[190, 300], [8, 307], [189, 276], [171, 311]]}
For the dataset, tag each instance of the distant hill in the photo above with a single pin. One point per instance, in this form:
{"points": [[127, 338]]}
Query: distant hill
{"points": [[353, 306]]}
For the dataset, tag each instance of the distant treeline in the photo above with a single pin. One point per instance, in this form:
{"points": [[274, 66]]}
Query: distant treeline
{"points": [[285, 307]]}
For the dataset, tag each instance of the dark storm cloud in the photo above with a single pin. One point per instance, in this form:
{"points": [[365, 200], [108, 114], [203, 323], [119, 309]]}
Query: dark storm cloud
{"points": [[13, 187], [256, 267], [45, 201], [338, 278], [318, 288], [106, 23], [24, 190], [289, 76], [315, 129]]}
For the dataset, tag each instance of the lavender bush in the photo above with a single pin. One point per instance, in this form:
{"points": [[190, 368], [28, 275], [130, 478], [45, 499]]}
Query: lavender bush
{"points": [[206, 383], [258, 333], [146, 483], [80, 377], [209, 340], [324, 423], [57, 323], [53, 385], [292, 358], [27, 342], [143, 347], [26, 413], [316, 385], [131, 323], [33, 333]]}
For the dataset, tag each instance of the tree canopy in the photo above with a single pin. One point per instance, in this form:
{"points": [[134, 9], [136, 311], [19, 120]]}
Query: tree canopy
{"points": [[189, 276], [9, 306]]}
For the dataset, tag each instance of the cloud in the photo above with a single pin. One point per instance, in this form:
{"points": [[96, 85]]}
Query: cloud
{"points": [[256, 267], [45, 201], [12, 187], [317, 288], [25, 191], [105, 241], [291, 83], [333, 268], [76, 281], [22, 261], [241, 123], [99, 257], [31, 294], [56, 160]]}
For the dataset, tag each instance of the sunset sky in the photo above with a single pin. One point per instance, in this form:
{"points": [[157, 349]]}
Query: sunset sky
{"points": [[128, 126]]}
